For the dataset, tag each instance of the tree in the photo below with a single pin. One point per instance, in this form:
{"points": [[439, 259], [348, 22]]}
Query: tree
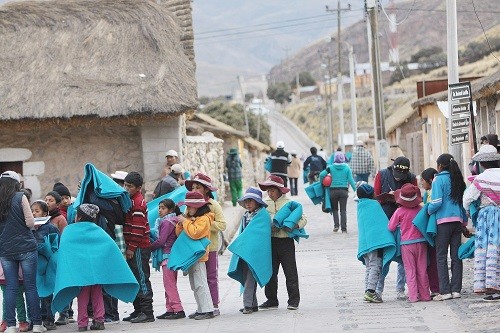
{"points": [[280, 92], [305, 79]]}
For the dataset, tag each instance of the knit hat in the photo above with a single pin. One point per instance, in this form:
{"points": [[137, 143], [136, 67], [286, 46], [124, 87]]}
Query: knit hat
{"points": [[90, 210], [200, 179], [61, 189], [12, 175], [193, 199], [365, 191], [339, 157], [274, 181], [55, 195], [408, 196], [252, 193]]}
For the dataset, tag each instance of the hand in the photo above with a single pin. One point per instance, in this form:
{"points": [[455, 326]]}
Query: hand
{"points": [[180, 219], [129, 254], [466, 232]]}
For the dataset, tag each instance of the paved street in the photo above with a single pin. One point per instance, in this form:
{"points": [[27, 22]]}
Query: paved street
{"points": [[332, 286]]}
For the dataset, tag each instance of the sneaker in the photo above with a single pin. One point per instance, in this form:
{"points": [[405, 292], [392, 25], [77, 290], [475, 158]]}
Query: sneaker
{"points": [[165, 315], [433, 294], [110, 321], [206, 315], [216, 312], [3, 326], [62, 320], [254, 309], [492, 298], [11, 329], [192, 315], [401, 295], [24, 326], [442, 297], [455, 295], [97, 326], [336, 229], [71, 319], [39, 328], [372, 297], [82, 329], [130, 316], [49, 325], [292, 307], [177, 315], [247, 310], [268, 305], [142, 318]]}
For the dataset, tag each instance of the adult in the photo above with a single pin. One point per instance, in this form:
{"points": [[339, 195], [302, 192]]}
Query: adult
{"points": [[18, 249], [233, 168], [119, 177], [339, 190], [491, 139], [446, 203], [171, 158], [280, 160], [485, 190], [386, 182], [361, 162], [294, 173], [315, 163], [170, 182]]}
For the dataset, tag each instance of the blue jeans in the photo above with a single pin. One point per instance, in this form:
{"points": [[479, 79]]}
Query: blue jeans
{"points": [[28, 263], [400, 280]]}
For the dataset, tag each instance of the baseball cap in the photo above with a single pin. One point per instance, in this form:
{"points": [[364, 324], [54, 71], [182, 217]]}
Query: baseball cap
{"points": [[280, 145], [401, 167], [171, 152], [176, 168], [11, 175]]}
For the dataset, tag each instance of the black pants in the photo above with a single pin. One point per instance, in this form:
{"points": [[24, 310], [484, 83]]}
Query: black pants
{"points": [[293, 186], [283, 253], [449, 235], [338, 197], [110, 307], [139, 265]]}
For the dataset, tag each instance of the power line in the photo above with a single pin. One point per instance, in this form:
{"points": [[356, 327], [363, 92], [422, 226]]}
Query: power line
{"points": [[484, 32], [404, 19], [444, 10]]}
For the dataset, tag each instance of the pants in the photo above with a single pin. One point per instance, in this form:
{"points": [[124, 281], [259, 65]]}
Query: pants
{"points": [[199, 286], [46, 309], [415, 264], [212, 266], [373, 264], [250, 291], [283, 253], [449, 235], [110, 307], [20, 305], [432, 270], [312, 176], [294, 189], [91, 294], [172, 299], [139, 265], [236, 187], [400, 280], [339, 197], [28, 263], [361, 177]]}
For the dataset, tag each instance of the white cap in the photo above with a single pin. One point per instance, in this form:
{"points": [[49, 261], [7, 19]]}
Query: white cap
{"points": [[171, 152], [176, 168], [11, 175], [280, 144], [119, 175], [360, 143]]}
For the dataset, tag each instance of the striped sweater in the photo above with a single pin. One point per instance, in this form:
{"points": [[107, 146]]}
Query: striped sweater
{"points": [[136, 228]]}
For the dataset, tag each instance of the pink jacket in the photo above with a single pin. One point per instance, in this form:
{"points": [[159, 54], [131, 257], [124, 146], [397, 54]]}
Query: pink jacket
{"points": [[403, 217]]}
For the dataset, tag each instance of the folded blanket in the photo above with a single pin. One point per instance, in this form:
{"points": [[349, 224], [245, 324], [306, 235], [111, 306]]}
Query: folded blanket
{"points": [[326, 200], [373, 233], [88, 256], [186, 251], [253, 246], [177, 195], [288, 216], [103, 187], [466, 250], [47, 265], [315, 192], [426, 224]]}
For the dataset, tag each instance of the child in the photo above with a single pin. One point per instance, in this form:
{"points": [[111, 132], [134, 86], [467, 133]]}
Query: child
{"points": [[40, 209], [53, 199], [196, 224], [203, 184], [63, 191], [426, 179], [376, 245], [20, 306], [136, 234], [165, 226], [413, 243], [251, 262], [282, 247]]}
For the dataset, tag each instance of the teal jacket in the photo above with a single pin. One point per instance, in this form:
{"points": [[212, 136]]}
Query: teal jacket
{"points": [[446, 210], [341, 176]]}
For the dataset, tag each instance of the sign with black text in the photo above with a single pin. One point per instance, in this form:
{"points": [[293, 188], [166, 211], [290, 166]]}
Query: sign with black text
{"points": [[460, 112]]}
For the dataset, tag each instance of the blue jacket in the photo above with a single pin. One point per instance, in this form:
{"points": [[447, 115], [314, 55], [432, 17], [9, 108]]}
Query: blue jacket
{"points": [[441, 204], [341, 176]]}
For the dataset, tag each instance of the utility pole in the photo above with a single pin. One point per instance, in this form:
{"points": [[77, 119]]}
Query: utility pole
{"points": [[240, 82], [297, 85], [339, 10], [354, 112], [452, 55]]}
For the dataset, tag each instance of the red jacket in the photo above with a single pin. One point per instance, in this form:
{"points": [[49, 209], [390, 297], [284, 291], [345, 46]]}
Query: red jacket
{"points": [[136, 228]]}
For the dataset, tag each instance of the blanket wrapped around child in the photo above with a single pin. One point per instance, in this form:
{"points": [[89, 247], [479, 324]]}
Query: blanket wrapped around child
{"points": [[287, 217], [426, 224], [373, 233], [88, 256], [186, 251], [253, 246], [47, 265]]}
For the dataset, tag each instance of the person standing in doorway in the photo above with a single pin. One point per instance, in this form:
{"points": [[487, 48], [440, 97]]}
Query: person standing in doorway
{"points": [[294, 171], [233, 167]]}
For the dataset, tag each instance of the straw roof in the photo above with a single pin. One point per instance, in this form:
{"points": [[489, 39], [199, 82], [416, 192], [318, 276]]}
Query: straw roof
{"points": [[105, 58]]}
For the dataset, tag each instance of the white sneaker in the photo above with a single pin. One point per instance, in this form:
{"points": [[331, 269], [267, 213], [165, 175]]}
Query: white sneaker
{"points": [[11, 329], [456, 295], [39, 329], [401, 295], [442, 297]]}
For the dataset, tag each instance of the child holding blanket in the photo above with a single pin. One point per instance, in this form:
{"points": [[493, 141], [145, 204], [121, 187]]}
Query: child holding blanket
{"points": [[251, 261], [196, 225], [165, 226], [282, 245]]}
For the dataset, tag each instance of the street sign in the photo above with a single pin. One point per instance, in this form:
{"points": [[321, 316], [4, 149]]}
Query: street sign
{"points": [[459, 138], [460, 90], [460, 112]]}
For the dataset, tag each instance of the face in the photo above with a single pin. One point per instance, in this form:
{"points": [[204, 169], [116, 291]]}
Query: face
{"points": [[171, 160], [37, 211], [200, 189], [274, 193], [191, 210], [66, 201], [425, 184], [163, 210], [51, 202], [251, 204], [131, 188]]}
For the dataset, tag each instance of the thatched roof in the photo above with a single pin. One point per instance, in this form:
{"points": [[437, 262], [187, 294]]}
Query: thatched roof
{"points": [[106, 58], [398, 117]]}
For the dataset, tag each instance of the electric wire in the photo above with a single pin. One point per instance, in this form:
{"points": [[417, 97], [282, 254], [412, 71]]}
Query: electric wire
{"points": [[484, 32], [404, 19]]}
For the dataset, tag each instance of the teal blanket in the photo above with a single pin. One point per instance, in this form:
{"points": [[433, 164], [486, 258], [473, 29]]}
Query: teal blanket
{"points": [[186, 251], [373, 233], [104, 187], [88, 256], [466, 250], [315, 192], [177, 195], [47, 265], [253, 246], [426, 224], [287, 217]]}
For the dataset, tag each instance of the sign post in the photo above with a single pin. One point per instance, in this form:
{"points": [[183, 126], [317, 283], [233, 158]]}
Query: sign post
{"points": [[461, 111]]}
